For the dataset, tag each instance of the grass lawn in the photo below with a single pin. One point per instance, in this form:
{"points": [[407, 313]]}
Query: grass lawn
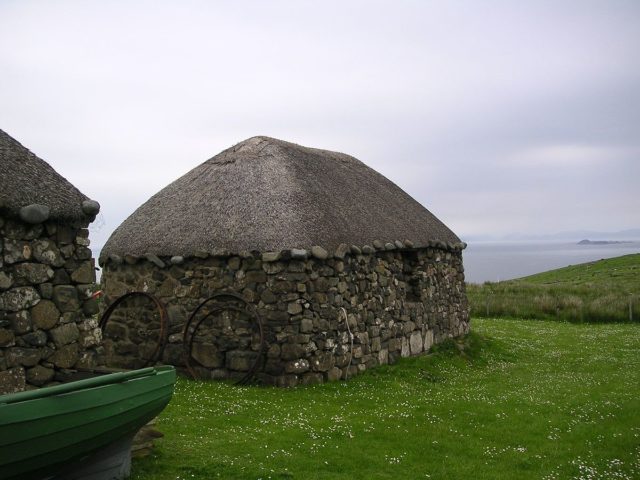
{"points": [[523, 399]]}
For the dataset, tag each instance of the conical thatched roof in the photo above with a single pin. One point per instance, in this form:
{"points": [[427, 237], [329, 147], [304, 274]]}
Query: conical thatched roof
{"points": [[269, 195], [28, 180]]}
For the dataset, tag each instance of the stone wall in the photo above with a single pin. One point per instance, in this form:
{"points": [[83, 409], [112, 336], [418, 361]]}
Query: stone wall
{"points": [[327, 316], [47, 277]]}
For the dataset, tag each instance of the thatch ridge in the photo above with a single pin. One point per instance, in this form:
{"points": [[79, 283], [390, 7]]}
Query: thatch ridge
{"points": [[266, 194], [26, 179]]}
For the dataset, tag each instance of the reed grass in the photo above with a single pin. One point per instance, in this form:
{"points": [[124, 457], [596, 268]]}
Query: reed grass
{"points": [[602, 291]]}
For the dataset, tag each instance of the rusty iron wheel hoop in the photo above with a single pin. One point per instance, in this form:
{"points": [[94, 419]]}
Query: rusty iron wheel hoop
{"points": [[162, 336], [189, 332]]}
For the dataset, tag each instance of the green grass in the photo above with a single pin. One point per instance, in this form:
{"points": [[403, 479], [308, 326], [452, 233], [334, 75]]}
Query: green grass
{"points": [[516, 399], [591, 292]]}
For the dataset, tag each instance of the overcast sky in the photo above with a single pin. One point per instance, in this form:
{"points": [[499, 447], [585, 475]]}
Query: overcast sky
{"points": [[499, 117]]}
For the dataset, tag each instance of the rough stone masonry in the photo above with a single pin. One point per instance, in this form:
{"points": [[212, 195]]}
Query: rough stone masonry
{"points": [[47, 321], [327, 316]]}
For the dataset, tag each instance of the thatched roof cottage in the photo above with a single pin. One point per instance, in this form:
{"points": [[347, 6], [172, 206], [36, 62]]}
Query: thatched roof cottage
{"points": [[46, 271], [320, 246]]}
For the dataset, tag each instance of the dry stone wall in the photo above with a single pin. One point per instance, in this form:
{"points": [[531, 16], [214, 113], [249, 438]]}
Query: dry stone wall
{"points": [[326, 316], [47, 322]]}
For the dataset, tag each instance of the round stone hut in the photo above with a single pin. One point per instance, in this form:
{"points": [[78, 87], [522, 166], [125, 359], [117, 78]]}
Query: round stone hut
{"points": [[319, 268], [47, 273]]}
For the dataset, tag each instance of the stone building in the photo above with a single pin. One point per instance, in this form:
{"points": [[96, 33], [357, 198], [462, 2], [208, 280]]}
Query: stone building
{"points": [[340, 268], [47, 272]]}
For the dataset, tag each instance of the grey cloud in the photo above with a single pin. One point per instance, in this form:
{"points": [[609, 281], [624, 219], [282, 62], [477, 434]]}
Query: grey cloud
{"points": [[439, 96]]}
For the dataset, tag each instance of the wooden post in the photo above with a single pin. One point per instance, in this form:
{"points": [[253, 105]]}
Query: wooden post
{"points": [[631, 307], [486, 304]]}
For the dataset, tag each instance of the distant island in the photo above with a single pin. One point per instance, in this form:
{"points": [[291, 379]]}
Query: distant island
{"points": [[600, 242]]}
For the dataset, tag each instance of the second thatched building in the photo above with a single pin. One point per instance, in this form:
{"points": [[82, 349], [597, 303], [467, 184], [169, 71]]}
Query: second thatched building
{"points": [[319, 268], [47, 274]]}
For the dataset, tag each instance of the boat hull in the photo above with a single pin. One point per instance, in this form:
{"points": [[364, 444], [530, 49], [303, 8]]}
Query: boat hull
{"points": [[44, 435]]}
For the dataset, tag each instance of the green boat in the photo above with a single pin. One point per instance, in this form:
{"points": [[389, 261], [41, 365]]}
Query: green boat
{"points": [[82, 429]]}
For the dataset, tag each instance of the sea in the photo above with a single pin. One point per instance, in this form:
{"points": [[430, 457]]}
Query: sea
{"points": [[486, 261]]}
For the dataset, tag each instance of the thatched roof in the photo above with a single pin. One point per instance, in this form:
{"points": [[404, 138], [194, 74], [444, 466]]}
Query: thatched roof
{"points": [[269, 195], [28, 180]]}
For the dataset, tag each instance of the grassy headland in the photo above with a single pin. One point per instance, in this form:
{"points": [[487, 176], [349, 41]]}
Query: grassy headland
{"points": [[516, 399], [599, 291]]}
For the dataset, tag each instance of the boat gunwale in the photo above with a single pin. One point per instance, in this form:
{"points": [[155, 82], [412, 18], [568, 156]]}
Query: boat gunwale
{"points": [[88, 383], [98, 396]]}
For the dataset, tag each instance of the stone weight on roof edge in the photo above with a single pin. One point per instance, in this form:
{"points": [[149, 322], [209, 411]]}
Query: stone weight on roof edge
{"points": [[270, 257]]}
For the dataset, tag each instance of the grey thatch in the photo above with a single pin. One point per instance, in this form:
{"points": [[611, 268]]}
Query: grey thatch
{"points": [[26, 180], [265, 194]]}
